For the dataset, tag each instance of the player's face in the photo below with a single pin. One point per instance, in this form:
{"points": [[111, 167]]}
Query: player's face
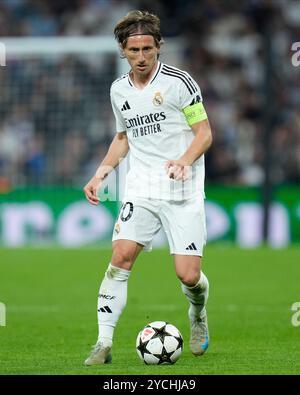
{"points": [[141, 53]]}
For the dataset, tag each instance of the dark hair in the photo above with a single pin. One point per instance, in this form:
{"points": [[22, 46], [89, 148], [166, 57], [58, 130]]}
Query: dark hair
{"points": [[138, 22]]}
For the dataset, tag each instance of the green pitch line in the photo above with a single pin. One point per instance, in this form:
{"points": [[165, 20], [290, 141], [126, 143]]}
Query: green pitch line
{"points": [[50, 297]]}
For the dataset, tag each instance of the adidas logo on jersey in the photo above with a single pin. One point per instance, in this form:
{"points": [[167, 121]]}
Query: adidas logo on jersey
{"points": [[191, 247], [126, 106], [197, 99]]}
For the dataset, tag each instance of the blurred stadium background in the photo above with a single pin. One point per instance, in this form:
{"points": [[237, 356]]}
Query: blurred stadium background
{"points": [[56, 122], [56, 125]]}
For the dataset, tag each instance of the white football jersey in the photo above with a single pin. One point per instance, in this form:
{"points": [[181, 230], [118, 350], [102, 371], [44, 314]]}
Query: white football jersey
{"points": [[157, 131]]}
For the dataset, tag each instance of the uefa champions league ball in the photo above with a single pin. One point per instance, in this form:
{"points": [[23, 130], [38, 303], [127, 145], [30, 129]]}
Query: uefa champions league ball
{"points": [[159, 343]]}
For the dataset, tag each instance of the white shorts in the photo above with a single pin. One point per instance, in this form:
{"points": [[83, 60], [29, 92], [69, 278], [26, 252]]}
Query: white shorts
{"points": [[183, 222]]}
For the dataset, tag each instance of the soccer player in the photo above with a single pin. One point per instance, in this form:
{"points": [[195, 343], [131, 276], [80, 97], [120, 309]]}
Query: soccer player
{"points": [[161, 120]]}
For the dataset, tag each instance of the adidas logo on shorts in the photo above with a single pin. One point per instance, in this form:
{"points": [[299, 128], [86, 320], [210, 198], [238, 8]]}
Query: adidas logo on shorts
{"points": [[191, 247]]}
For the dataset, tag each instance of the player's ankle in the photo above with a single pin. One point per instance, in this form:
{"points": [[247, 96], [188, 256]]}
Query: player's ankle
{"points": [[106, 342]]}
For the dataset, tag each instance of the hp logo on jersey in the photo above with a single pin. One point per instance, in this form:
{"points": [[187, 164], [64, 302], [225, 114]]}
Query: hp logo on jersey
{"points": [[158, 99]]}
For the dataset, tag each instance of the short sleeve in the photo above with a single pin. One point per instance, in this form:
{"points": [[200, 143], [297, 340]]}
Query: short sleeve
{"points": [[120, 122], [189, 91]]}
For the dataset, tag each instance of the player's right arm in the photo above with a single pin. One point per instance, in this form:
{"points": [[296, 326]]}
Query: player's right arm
{"points": [[117, 151]]}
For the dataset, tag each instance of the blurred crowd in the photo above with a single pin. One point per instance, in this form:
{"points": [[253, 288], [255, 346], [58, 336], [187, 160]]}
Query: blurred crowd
{"points": [[55, 116]]}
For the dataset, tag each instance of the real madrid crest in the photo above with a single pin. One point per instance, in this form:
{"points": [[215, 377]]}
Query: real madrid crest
{"points": [[158, 99], [117, 228]]}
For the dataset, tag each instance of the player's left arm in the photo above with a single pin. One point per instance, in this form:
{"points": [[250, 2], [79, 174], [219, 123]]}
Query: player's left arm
{"points": [[200, 144], [179, 169]]}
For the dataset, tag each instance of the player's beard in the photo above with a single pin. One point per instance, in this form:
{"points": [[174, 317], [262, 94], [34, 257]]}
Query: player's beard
{"points": [[144, 70]]}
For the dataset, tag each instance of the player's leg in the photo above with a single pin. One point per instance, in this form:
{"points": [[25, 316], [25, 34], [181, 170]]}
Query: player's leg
{"points": [[112, 298], [195, 286], [184, 223], [133, 232]]}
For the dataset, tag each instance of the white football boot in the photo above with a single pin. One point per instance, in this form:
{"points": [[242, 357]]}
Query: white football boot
{"points": [[99, 355], [199, 338]]}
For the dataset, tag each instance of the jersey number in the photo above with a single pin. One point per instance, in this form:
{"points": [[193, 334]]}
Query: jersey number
{"points": [[126, 211]]}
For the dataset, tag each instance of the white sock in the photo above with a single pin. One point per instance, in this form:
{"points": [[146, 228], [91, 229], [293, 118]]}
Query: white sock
{"points": [[197, 296], [111, 302]]}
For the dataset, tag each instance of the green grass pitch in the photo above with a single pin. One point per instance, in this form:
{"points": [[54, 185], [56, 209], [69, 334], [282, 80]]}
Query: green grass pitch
{"points": [[51, 294]]}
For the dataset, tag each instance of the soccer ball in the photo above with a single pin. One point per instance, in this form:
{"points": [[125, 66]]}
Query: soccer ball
{"points": [[159, 343]]}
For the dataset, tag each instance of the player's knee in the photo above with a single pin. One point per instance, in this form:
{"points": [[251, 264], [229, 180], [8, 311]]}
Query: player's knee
{"points": [[122, 257], [189, 278]]}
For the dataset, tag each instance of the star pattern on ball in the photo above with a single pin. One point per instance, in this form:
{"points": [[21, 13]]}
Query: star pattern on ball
{"points": [[164, 357], [160, 333], [142, 347], [163, 354], [180, 341]]}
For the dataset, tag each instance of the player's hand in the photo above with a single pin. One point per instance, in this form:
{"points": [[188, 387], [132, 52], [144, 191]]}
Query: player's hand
{"points": [[178, 169], [91, 189]]}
